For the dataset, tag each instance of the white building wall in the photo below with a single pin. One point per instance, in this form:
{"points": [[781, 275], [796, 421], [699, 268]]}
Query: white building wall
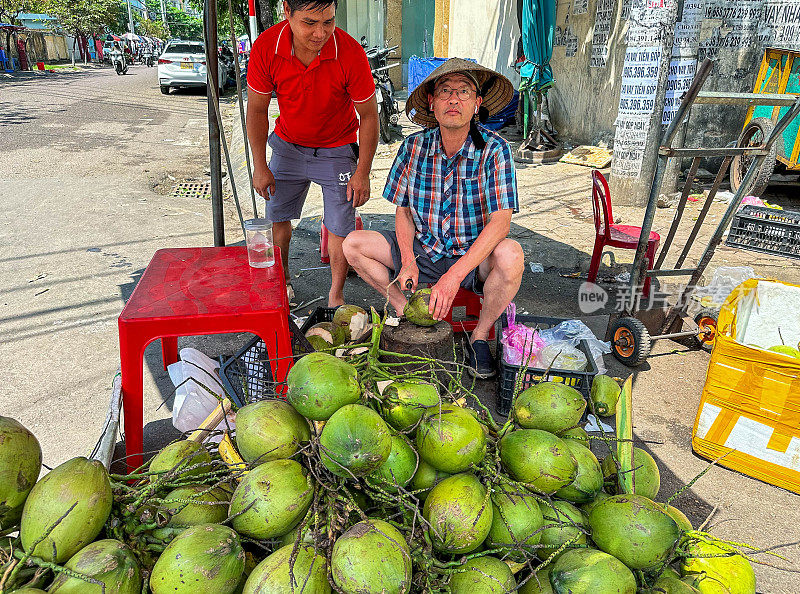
{"points": [[486, 30]]}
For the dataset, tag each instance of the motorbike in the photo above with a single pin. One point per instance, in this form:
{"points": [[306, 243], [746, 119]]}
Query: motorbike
{"points": [[119, 62], [388, 110], [147, 57]]}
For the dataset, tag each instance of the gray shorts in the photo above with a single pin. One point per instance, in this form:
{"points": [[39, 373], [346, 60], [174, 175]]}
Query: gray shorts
{"points": [[295, 167], [430, 271]]}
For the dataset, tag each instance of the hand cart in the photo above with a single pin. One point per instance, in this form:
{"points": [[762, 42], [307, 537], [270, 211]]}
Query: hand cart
{"points": [[631, 339]]}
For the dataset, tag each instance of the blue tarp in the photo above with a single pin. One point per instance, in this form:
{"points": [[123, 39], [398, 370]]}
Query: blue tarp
{"points": [[538, 29], [420, 68], [505, 117]]}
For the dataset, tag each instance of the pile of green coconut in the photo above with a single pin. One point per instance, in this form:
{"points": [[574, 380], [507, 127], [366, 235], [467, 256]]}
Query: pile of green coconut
{"points": [[358, 478]]}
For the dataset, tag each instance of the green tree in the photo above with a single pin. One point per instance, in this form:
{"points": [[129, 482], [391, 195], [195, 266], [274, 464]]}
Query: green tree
{"points": [[11, 9], [150, 28], [179, 24], [84, 17]]}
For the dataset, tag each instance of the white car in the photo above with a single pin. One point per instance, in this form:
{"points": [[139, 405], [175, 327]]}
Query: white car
{"points": [[183, 64]]}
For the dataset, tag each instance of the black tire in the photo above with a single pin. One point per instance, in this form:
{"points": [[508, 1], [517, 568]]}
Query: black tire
{"points": [[706, 320], [755, 134], [164, 90], [385, 126], [630, 341]]}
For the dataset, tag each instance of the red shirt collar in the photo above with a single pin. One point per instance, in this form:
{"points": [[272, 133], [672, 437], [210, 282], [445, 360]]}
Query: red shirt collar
{"points": [[283, 47]]}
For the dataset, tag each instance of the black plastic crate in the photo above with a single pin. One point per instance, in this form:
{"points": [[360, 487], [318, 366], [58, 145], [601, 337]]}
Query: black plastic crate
{"points": [[507, 377], [766, 230], [247, 376]]}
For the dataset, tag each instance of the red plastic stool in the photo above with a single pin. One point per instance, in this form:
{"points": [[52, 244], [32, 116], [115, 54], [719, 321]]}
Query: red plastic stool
{"points": [[323, 240], [196, 291], [473, 304]]}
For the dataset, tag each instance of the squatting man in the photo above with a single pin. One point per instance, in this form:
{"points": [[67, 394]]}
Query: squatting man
{"points": [[455, 189]]}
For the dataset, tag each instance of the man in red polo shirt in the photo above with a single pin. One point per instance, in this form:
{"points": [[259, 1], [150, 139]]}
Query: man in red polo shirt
{"points": [[322, 78]]}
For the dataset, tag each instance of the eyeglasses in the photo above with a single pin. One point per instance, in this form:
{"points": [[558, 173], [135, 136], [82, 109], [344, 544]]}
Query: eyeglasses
{"points": [[446, 92]]}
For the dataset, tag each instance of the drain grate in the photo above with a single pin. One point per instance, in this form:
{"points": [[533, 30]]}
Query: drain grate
{"points": [[192, 190]]}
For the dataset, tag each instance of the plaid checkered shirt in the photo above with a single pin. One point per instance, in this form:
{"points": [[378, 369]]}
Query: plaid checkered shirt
{"points": [[451, 200]]}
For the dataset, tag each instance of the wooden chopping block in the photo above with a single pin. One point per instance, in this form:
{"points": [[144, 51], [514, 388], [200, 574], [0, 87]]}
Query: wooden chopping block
{"points": [[423, 341]]}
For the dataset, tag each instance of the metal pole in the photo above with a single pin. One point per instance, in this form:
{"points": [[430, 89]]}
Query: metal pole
{"points": [[251, 8], [215, 162], [164, 14], [130, 18]]}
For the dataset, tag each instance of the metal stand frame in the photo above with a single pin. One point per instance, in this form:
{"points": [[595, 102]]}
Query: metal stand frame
{"points": [[666, 150]]}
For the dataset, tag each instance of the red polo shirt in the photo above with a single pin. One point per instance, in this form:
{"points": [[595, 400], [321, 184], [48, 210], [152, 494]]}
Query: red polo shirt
{"points": [[316, 103]]}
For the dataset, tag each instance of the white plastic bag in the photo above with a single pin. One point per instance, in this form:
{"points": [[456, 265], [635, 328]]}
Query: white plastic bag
{"points": [[193, 402], [573, 331], [561, 355], [724, 281]]}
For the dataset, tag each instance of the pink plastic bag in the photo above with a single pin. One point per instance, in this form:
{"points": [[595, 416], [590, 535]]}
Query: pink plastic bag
{"points": [[521, 344]]}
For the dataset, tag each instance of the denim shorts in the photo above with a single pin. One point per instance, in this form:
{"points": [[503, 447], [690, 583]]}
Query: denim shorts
{"points": [[295, 167], [430, 271]]}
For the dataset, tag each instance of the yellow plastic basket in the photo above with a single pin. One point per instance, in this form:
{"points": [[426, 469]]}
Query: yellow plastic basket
{"points": [[750, 408]]}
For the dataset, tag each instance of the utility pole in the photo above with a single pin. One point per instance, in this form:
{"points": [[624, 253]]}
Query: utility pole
{"points": [[214, 142], [130, 18], [164, 14]]}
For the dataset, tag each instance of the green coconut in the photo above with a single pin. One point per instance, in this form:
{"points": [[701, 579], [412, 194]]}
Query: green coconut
{"points": [[669, 582], [717, 568], [30, 591], [399, 467], [589, 480], [309, 575], [634, 529], [108, 561], [349, 322], [577, 434], [355, 441], [204, 558], [404, 403], [460, 514], [279, 493], [646, 476], [319, 384], [372, 556], [605, 394], [270, 430], [587, 507], [451, 440], [516, 521], [539, 459], [184, 458], [325, 335], [586, 571], [196, 504], [680, 518], [20, 464], [538, 582], [417, 309], [785, 350], [549, 406], [76, 498], [426, 478], [485, 575], [562, 523]]}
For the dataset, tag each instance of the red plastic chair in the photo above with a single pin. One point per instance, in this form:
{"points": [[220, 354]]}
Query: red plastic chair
{"points": [[197, 291], [620, 236], [323, 240], [472, 302]]}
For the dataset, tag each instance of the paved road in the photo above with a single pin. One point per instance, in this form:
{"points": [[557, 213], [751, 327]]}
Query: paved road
{"points": [[88, 160]]}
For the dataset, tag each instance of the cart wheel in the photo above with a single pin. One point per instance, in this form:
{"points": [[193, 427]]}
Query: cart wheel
{"points": [[706, 321], [755, 134], [630, 341]]}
